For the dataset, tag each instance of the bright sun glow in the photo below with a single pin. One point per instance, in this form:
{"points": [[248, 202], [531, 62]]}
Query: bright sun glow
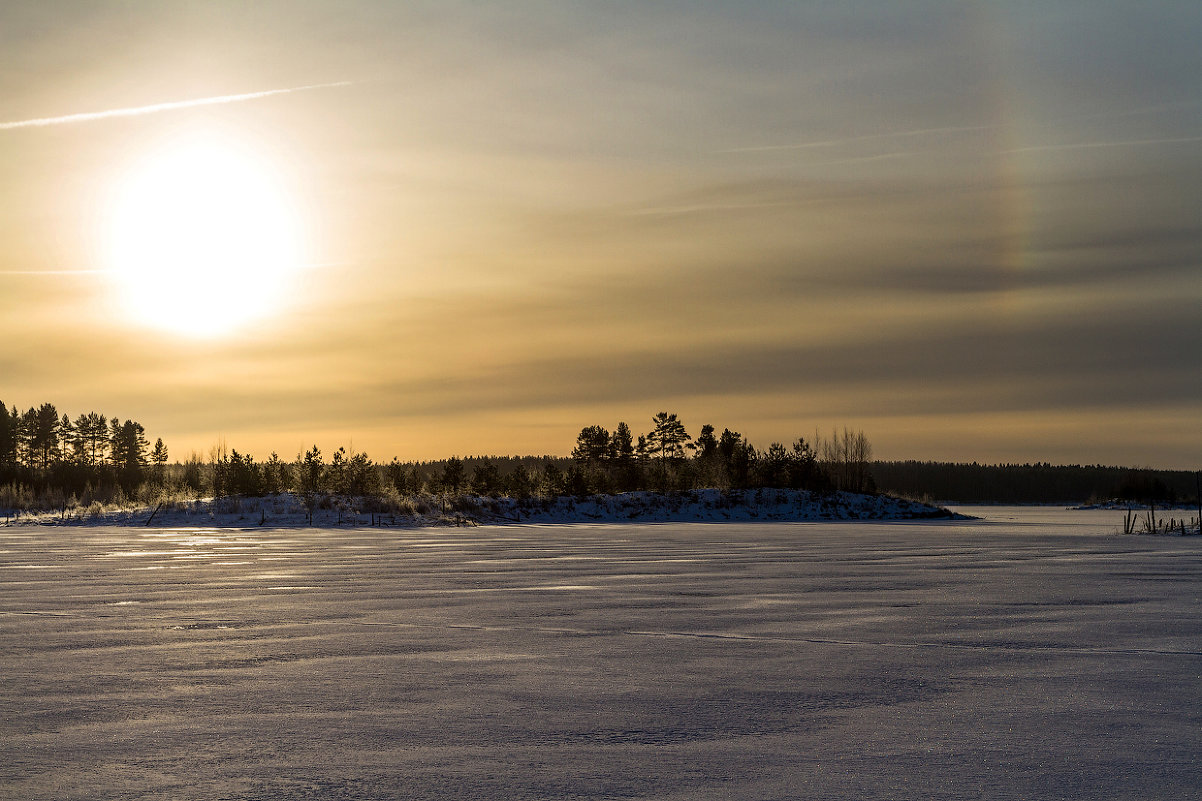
{"points": [[201, 238]]}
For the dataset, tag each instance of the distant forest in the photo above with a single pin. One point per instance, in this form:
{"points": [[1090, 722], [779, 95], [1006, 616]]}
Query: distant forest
{"points": [[1033, 483], [51, 461]]}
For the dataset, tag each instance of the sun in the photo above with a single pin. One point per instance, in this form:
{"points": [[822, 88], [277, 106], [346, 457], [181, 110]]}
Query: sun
{"points": [[201, 237]]}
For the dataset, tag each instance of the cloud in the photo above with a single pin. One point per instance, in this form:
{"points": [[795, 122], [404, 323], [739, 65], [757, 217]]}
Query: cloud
{"points": [[1180, 140], [50, 272], [136, 111], [1077, 360], [867, 137]]}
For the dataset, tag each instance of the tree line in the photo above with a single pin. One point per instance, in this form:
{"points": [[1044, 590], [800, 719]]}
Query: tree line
{"points": [[666, 458], [92, 456], [1039, 482], [51, 460], [663, 459]]}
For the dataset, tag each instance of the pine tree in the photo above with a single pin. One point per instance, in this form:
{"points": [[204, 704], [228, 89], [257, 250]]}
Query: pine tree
{"points": [[336, 475], [452, 474], [592, 446], [519, 484], [398, 476], [622, 444], [626, 472], [309, 472], [276, 475], [706, 444], [91, 438], [361, 476], [668, 437], [68, 439], [9, 423], [41, 434], [736, 456], [127, 441], [486, 480], [159, 455]]}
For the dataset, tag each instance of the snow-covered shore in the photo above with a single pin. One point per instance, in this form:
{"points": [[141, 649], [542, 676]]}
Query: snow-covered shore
{"points": [[289, 510]]}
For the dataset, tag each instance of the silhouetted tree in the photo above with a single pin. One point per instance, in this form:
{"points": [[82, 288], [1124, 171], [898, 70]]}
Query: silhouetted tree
{"points": [[9, 425], [92, 438], [772, 466], [805, 471], [667, 439], [277, 476], [336, 473], [668, 436], [575, 482], [625, 468], [707, 466], [309, 472], [845, 459], [79, 441], [361, 476], [127, 444], [622, 444], [593, 446], [519, 484], [706, 444], [41, 434], [452, 474], [243, 476], [551, 481], [158, 457], [193, 476], [486, 480], [67, 449], [397, 475], [736, 456]]}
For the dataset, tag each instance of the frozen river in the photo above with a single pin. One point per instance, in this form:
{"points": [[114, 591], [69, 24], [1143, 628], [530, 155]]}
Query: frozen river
{"points": [[1034, 654]]}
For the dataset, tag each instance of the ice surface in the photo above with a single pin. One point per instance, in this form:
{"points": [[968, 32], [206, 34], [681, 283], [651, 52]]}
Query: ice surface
{"points": [[1032, 654]]}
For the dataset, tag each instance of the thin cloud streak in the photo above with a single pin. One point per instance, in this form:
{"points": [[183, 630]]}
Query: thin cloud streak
{"points": [[1136, 112], [856, 159], [693, 208], [699, 207], [51, 272], [1093, 145], [864, 138], [317, 265], [136, 111]]}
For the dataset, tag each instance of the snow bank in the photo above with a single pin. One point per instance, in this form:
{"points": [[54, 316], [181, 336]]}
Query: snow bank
{"points": [[707, 506], [288, 510]]}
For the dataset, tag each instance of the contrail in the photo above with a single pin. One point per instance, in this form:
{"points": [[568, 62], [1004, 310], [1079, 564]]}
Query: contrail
{"points": [[320, 265], [157, 107]]}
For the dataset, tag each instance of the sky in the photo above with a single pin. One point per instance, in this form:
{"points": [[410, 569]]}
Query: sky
{"points": [[969, 229]]}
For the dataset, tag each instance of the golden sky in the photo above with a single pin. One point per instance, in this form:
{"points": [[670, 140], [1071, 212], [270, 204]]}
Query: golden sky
{"points": [[415, 229]]}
